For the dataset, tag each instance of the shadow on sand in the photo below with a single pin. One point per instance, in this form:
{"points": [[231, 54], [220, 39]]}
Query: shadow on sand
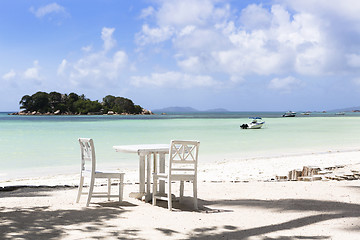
{"points": [[46, 223], [326, 210]]}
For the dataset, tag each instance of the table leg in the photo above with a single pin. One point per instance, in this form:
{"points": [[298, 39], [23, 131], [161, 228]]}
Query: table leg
{"points": [[162, 170], [142, 174], [155, 167], [155, 164], [148, 177]]}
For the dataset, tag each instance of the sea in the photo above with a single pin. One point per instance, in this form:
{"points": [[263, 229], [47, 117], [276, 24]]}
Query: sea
{"points": [[40, 145]]}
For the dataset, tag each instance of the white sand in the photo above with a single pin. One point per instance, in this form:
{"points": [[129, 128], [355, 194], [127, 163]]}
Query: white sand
{"points": [[256, 209]]}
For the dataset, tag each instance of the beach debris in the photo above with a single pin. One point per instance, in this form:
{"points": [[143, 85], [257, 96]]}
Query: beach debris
{"points": [[281, 178], [305, 179], [314, 173], [294, 175], [309, 171]]}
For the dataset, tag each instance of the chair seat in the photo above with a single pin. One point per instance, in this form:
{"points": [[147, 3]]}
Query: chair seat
{"points": [[178, 177], [103, 174], [100, 174]]}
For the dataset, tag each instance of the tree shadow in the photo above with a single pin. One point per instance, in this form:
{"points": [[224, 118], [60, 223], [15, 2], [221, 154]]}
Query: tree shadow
{"points": [[44, 223], [27, 191], [115, 204], [187, 205], [326, 210]]}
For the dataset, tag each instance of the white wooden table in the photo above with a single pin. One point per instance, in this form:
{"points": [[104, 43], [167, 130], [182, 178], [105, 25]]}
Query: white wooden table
{"points": [[151, 152]]}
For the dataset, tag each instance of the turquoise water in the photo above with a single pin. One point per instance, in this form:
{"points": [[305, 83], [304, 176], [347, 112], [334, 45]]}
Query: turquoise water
{"points": [[28, 142]]}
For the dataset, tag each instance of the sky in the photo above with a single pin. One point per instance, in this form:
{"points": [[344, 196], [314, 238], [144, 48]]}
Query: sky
{"points": [[245, 55]]}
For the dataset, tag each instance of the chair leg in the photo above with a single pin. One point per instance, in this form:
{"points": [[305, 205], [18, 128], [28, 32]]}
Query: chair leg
{"points": [[80, 188], [181, 190], [91, 189], [154, 191], [195, 194], [169, 196], [109, 188], [121, 187]]}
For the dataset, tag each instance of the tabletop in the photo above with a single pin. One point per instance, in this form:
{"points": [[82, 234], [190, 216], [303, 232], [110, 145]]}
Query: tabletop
{"points": [[143, 148]]}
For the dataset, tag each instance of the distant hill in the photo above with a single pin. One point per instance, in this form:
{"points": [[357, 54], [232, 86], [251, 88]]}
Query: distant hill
{"points": [[217, 110], [350, 109], [176, 109], [187, 110]]}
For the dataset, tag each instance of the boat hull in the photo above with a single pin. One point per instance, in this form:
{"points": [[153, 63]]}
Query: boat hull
{"points": [[256, 123], [255, 126]]}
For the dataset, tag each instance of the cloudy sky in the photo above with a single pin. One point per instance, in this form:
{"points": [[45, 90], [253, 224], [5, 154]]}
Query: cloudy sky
{"points": [[248, 55]]}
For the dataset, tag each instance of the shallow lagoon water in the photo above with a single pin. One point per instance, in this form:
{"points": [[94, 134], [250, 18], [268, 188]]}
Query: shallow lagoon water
{"points": [[50, 142]]}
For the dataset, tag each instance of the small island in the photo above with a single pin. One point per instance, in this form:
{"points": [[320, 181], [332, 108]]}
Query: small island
{"points": [[54, 103]]}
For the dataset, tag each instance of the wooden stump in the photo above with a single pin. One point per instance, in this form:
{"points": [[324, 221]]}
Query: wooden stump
{"points": [[309, 171], [294, 175]]}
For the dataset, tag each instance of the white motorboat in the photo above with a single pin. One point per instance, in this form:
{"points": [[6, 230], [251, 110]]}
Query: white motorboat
{"points": [[340, 113], [289, 114], [255, 123]]}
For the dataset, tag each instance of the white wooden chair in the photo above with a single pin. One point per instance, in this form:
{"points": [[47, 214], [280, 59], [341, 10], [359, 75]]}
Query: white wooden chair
{"points": [[88, 158], [182, 166]]}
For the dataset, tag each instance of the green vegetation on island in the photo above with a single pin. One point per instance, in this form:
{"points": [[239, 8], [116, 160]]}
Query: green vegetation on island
{"points": [[71, 104]]}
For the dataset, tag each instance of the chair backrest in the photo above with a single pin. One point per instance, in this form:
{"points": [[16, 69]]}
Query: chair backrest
{"points": [[88, 160], [183, 157]]}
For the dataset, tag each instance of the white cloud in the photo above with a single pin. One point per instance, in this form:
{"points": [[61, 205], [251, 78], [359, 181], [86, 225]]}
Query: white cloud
{"points": [[346, 9], [201, 41], [48, 9], [288, 38], [187, 30], [353, 60], [62, 67], [255, 17], [106, 36], [312, 61], [285, 84], [236, 78], [87, 48], [185, 12], [180, 18], [153, 35], [10, 75], [190, 64], [33, 72], [96, 68], [146, 12], [174, 80]]}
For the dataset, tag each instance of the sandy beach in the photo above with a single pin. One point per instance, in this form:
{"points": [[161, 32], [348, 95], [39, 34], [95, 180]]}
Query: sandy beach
{"points": [[237, 200], [270, 89]]}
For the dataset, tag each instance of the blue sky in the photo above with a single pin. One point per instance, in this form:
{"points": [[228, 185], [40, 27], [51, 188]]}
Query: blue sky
{"points": [[273, 55]]}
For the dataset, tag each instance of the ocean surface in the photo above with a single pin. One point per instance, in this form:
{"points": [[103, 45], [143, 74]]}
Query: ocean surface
{"points": [[32, 145]]}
